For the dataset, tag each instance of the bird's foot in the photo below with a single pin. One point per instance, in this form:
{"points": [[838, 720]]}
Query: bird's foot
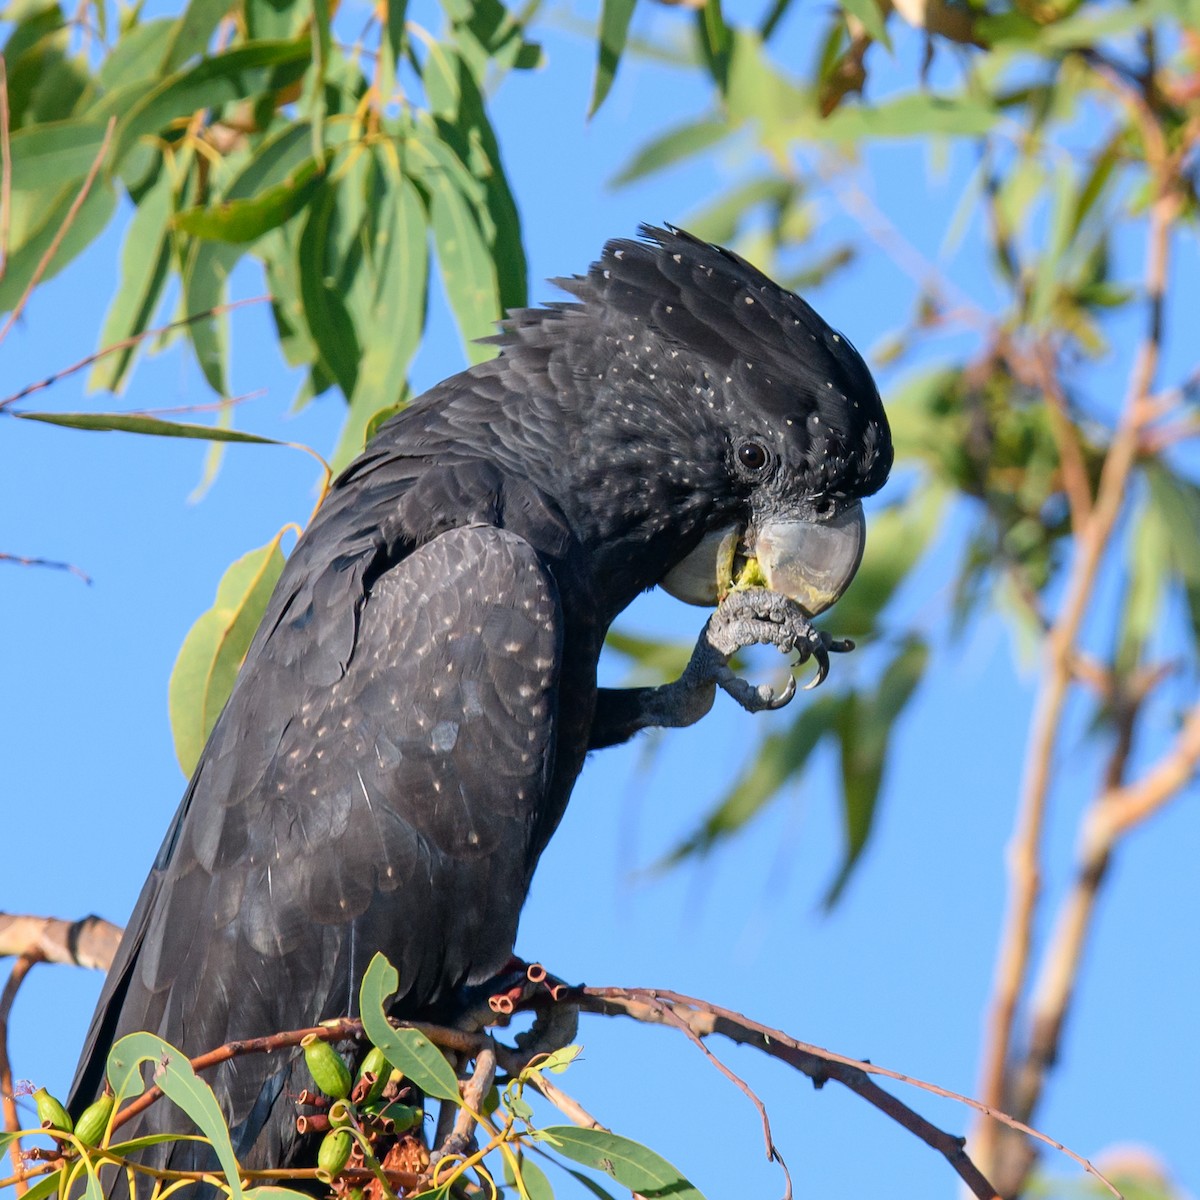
{"points": [[757, 617]]}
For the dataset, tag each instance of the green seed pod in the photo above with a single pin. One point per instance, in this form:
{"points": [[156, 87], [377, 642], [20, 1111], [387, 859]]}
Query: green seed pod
{"points": [[325, 1065], [334, 1154], [374, 1064], [376, 1068], [341, 1112], [401, 1116], [51, 1113], [93, 1121]]}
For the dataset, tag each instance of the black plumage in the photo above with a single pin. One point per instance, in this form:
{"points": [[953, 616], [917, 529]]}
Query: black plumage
{"points": [[412, 714]]}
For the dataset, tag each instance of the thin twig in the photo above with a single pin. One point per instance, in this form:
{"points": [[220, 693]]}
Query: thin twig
{"points": [[22, 560], [773, 1155], [126, 343], [1066, 437], [62, 230], [8, 1100]]}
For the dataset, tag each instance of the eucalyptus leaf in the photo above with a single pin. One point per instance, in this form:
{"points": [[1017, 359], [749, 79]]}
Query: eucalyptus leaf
{"points": [[212, 652]]}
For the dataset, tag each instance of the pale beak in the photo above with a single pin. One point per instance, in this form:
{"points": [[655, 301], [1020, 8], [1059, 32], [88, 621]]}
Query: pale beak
{"points": [[810, 562]]}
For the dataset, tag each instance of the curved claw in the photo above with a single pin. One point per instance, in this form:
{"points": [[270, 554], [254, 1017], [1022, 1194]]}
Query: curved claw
{"points": [[755, 698], [821, 654], [785, 697]]}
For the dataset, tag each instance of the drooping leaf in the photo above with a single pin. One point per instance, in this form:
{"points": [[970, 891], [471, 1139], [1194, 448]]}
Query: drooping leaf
{"points": [[174, 1075], [145, 263], [247, 220], [776, 761], [53, 154], [325, 312], [192, 32], [912, 115], [90, 220], [153, 426], [896, 539], [676, 145], [533, 1179], [393, 327], [869, 13], [631, 1164], [408, 1050], [224, 78], [212, 652], [137, 55], [464, 260], [864, 726], [615, 16]]}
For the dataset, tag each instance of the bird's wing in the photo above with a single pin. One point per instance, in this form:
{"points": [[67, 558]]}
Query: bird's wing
{"points": [[385, 805]]}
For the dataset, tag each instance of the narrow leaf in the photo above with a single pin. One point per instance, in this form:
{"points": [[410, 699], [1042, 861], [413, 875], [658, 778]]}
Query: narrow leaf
{"points": [[865, 725], [192, 32], [215, 646], [676, 145], [408, 1050], [154, 426], [174, 1075], [247, 220], [234, 75], [53, 154], [145, 263], [615, 16], [631, 1164], [868, 12], [325, 312], [533, 1179]]}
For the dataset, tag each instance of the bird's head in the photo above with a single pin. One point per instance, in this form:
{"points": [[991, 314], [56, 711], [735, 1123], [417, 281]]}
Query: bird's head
{"points": [[712, 431], [744, 415]]}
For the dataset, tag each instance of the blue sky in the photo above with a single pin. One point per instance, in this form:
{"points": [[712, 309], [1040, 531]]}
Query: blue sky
{"points": [[898, 972]]}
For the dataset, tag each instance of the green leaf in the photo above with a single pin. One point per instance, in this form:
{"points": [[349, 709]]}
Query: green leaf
{"points": [[868, 12], [464, 259], [393, 326], [137, 55], [777, 760], [45, 1188], [864, 728], [325, 312], [247, 220], [615, 16], [215, 646], [896, 539], [676, 145], [1048, 279], [174, 1075], [135, 423], [225, 78], [90, 220], [716, 42], [145, 264], [192, 31], [631, 1164], [590, 1184], [57, 153], [913, 115], [408, 1050], [207, 271], [536, 1185]]}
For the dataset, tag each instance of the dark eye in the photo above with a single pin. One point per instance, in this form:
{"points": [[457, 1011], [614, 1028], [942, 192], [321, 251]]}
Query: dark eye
{"points": [[752, 456]]}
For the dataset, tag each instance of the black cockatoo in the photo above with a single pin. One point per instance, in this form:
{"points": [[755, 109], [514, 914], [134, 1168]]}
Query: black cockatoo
{"points": [[404, 734]]}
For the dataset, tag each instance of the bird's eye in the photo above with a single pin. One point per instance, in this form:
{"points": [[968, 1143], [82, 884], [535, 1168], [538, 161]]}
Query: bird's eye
{"points": [[752, 456]]}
